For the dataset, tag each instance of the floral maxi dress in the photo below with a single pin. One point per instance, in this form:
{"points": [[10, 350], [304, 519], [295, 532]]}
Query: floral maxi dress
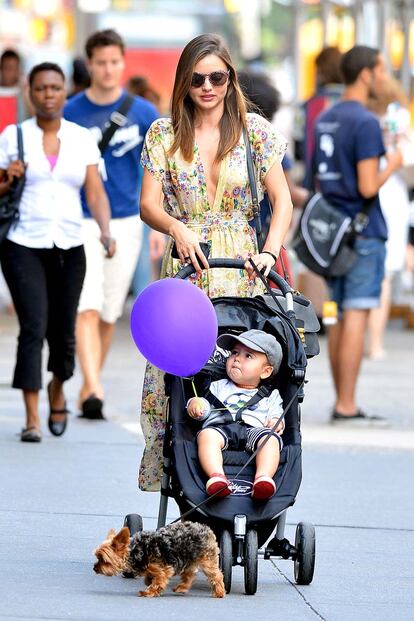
{"points": [[225, 224]]}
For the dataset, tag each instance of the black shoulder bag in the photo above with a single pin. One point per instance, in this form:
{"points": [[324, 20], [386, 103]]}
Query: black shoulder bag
{"points": [[117, 119], [324, 237], [9, 202]]}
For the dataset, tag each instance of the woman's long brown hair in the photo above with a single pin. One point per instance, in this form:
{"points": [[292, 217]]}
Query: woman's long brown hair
{"points": [[182, 107]]}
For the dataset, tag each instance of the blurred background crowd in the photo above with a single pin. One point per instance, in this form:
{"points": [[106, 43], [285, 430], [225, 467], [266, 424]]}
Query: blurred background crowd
{"points": [[291, 47]]}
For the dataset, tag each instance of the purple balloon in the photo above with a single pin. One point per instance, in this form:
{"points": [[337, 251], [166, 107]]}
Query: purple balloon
{"points": [[174, 325]]}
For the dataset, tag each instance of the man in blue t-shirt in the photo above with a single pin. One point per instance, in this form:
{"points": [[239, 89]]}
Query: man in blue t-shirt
{"points": [[107, 282], [348, 147]]}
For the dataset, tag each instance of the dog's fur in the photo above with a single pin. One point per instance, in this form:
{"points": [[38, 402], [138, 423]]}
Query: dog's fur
{"points": [[177, 549]]}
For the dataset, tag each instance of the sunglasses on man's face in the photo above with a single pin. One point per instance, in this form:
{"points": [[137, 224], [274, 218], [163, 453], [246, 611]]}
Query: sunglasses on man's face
{"points": [[216, 78]]}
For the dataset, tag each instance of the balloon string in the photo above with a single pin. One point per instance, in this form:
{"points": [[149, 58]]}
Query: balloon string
{"points": [[212, 409], [195, 392]]}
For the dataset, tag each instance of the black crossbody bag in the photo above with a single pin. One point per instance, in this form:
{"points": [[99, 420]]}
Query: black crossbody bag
{"points": [[9, 202], [117, 119], [324, 237]]}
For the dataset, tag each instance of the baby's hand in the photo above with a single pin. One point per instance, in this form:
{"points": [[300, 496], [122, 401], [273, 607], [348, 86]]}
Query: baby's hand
{"points": [[195, 407], [281, 426]]}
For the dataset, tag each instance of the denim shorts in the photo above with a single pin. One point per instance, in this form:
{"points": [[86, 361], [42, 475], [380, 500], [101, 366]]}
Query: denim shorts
{"points": [[360, 288]]}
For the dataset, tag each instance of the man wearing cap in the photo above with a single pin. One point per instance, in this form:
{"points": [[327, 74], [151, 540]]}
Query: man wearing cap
{"points": [[240, 411]]}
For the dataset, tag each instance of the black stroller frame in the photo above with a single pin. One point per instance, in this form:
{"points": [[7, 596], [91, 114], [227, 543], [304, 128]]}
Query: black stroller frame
{"points": [[242, 526]]}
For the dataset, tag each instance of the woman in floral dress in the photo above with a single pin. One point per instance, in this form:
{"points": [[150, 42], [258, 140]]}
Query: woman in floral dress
{"points": [[196, 189]]}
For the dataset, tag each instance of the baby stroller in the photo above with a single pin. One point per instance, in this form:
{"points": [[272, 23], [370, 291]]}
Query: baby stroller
{"points": [[243, 526]]}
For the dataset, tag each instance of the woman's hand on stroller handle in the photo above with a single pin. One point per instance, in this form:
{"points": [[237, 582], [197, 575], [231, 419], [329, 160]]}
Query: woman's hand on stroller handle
{"points": [[264, 261], [187, 247], [239, 264]]}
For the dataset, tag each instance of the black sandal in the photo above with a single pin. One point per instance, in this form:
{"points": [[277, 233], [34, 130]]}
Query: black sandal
{"points": [[56, 428], [359, 418], [92, 408]]}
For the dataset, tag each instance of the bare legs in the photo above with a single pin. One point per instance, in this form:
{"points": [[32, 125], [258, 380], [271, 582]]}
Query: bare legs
{"points": [[267, 459], [378, 318], [31, 402], [211, 443], [106, 331], [346, 347], [93, 340], [56, 399]]}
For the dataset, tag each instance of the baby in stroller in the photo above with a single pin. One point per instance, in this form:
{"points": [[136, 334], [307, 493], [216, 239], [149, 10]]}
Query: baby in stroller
{"points": [[240, 411]]}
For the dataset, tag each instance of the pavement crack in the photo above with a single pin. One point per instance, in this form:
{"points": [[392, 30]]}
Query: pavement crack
{"points": [[308, 604], [359, 527], [154, 517], [77, 513]]}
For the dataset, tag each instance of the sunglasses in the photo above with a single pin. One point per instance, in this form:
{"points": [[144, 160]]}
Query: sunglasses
{"points": [[216, 78]]}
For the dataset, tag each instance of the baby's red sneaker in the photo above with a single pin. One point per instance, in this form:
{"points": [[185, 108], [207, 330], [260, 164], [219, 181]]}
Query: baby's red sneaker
{"points": [[263, 488], [218, 483]]}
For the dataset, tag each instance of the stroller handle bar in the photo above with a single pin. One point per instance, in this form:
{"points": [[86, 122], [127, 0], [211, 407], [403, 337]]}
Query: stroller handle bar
{"points": [[238, 264]]}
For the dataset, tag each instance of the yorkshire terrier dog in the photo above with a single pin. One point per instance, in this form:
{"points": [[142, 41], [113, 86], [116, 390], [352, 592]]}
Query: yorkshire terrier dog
{"points": [[177, 549]]}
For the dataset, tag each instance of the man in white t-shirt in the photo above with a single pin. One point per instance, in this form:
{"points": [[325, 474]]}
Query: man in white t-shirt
{"points": [[107, 283]]}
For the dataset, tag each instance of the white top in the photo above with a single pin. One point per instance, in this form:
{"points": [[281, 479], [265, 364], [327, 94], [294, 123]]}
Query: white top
{"points": [[234, 397], [393, 194], [50, 208]]}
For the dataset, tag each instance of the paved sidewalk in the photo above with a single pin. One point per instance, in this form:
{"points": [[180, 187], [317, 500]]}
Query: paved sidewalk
{"points": [[58, 499], [385, 388]]}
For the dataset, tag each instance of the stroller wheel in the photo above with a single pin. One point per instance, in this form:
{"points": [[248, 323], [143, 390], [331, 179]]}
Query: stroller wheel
{"points": [[226, 558], [250, 563], [304, 564], [134, 522]]}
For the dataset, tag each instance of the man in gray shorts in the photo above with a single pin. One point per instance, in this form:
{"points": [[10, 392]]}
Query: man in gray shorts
{"points": [[348, 147]]}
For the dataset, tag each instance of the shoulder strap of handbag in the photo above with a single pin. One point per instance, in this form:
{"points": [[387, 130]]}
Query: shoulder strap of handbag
{"points": [[253, 190], [17, 186], [117, 119], [20, 151]]}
